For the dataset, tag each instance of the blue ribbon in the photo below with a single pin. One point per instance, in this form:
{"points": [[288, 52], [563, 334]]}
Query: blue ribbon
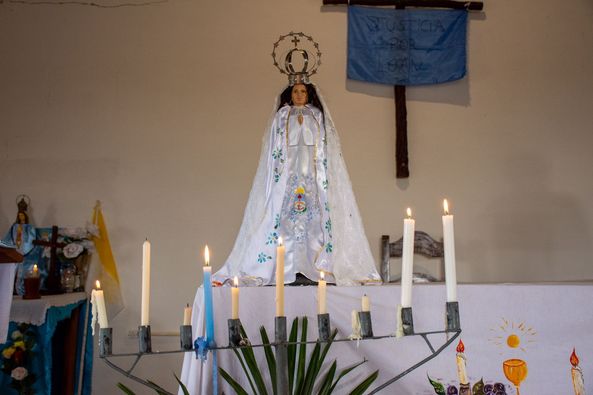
{"points": [[202, 345]]}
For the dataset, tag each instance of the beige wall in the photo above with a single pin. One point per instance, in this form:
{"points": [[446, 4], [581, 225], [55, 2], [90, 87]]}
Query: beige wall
{"points": [[158, 111]]}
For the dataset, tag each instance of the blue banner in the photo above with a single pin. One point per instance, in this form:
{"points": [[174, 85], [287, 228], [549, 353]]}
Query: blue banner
{"points": [[406, 47]]}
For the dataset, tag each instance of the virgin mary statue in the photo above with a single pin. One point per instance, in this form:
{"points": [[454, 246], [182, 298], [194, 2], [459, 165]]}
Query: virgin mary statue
{"points": [[301, 195]]}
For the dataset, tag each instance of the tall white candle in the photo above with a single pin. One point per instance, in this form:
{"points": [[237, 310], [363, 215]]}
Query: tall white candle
{"points": [[235, 299], [366, 303], [322, 295], [98, 298], [187, 315], [407, 260], [280, 278], [144, 317], [449, 246], [577, 375]]}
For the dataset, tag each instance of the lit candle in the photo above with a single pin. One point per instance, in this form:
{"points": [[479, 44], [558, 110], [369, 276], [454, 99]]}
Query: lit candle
{"points": [[577, 375], [322, 295], [461, 373], [187, 315], [144, 317], [407, 260], [449, 246], [35, 271], [235, 299], [98, 299], [366, 303], [280, 278], [209, 309]]}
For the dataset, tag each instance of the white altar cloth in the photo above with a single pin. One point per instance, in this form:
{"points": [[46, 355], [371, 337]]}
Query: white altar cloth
{"points": [[548, 320], [33, 311]]}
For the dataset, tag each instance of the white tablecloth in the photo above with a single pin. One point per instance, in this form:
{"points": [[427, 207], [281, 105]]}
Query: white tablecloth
{"points": [[33, 311], [548, 320]]}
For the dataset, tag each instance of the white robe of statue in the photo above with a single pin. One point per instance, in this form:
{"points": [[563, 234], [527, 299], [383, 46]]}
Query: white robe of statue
{"points": [[302, 193]]}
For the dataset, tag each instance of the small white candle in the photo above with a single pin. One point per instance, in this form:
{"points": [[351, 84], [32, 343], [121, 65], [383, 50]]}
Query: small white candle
{"points": [[460, 359], [144, 317], [235, 299], [407, 260], [35, 271], [98, 298], [187, 315], [366, 303], [577, 375], [280, 278], [449, 246], [355, 323], [322, 295]]}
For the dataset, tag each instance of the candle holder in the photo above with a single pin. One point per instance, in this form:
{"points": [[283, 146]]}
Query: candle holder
{"points": [[32, 287], [464, 389], [105, 341], [453, 323], [185, 337], [281, 356], [366, 325], [144, 341], [234, 332], [407, 321], [324, 326]]}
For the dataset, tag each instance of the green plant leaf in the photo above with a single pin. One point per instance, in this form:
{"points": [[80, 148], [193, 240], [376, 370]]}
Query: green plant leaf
{"points": [[344, 372], [159, 390], [328, 379], [439, 388], [234, 385], [312, 370], [366, 383], [183, 387], [302, 359], [270, 359], [251, 362], [291, 352], [125, 389], [478, 388], [245, 370]]}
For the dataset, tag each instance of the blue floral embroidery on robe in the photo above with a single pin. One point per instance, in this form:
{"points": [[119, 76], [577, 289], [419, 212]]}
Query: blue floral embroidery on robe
{"points": [[262, 257], [329, 247], [272, 238]]}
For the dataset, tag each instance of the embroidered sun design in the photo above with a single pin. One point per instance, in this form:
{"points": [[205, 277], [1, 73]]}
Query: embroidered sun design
{"points": [[513, 335]]}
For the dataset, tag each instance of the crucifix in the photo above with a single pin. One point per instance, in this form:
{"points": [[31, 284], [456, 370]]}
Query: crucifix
{"points": [[53, 282], [401, 123]]}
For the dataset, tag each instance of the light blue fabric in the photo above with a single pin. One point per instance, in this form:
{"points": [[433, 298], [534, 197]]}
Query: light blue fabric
{"points": [[406, 47], [42, 361]]}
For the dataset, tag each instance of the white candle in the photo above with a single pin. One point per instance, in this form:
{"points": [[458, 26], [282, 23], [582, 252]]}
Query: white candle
{"points": [[144, 317], [355, 323], [187, 315], [366, 303], [280, 278], [577, 375], [407, 260], [449, 246], [322, 295], [235, 299], [460, 359], [35, 271], [98, 298]]}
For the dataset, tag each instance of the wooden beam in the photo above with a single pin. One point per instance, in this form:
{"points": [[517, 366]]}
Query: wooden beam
{"points": [[456, 5], [10, 255]]}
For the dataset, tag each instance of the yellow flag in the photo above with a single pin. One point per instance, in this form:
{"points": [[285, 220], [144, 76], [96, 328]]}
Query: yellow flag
{"points": [[107, 272]]}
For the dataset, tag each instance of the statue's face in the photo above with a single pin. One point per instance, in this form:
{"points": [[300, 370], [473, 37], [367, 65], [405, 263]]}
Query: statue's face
{"points": [[299, 95], [22, 218]]}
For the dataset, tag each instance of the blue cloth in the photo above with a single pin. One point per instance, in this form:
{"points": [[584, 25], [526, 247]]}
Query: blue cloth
{"points": [[41, 364], [406, 47]]}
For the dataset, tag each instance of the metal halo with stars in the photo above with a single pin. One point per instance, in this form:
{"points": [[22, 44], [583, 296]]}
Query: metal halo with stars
{"points": [[311, 58]]}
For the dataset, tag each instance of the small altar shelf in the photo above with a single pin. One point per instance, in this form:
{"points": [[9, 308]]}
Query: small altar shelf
{"points": [[539, 324], [62, 357]]}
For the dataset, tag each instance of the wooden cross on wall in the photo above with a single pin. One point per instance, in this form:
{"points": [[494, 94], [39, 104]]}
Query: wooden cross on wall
{"points": [[53, 282], [399, 92]]}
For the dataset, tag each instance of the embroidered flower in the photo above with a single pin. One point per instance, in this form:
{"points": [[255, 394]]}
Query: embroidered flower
{"points": [[328, 226], [277, 221], [326, 206], [277, 153], [272, 238], [262, 257], [276, 175], [19, 373], [325, 163], [324, 184], [329, 248], [72, 250], [279, 131]]}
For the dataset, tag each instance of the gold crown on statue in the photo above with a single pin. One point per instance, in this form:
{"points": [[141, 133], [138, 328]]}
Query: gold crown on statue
{"points": [[306, 64]]}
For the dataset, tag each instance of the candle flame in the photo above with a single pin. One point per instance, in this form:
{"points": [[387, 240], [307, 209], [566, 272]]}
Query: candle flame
{"points": [[280, 240], [322, 275], [35, 268], [574, 360], [207, 255], [98, 284], [236, 281], [460, 347], [409, 212], [446, 207]]}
